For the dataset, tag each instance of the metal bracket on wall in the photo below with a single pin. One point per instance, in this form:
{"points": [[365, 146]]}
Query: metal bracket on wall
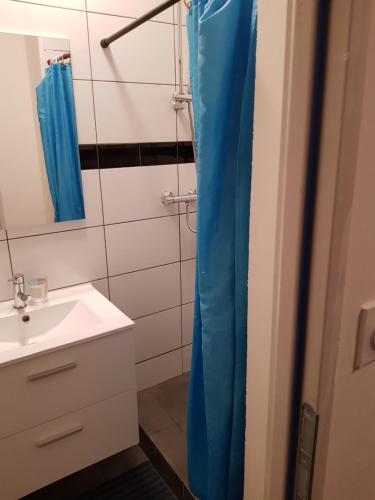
{"points": [[179, 100], [306, 453]]}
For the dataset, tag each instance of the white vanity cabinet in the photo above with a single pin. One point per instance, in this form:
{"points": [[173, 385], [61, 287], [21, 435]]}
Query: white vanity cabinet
{"points": [[66, 408]]}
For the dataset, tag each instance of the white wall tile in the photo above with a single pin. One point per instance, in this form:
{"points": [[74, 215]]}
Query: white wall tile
{"points": [[186, 358], [157, 370], [184, 14], [102, 286], [143, 55], [84, 105], [157, 334], [146, 292], [52, 44], [2, 234], [5, 272], [129, 8], [183, 123], [93, 210], [129, 112], [68, 4], [138, 245], [185, 52], [32, 19], [135, 193], [187, 280], [66, 258], [187, 236], [187, 312], [187, 179], [183, 126]]}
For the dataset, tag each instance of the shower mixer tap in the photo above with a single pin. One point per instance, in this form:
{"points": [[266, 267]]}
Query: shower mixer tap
{"points": [[167, 198]]}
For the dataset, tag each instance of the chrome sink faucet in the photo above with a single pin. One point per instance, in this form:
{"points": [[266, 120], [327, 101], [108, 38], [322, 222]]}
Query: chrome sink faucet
{"points": [[20, 297]]}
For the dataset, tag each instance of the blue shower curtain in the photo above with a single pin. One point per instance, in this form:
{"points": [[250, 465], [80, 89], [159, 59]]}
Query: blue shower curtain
{"points": [[55, 102], [222, 43]]}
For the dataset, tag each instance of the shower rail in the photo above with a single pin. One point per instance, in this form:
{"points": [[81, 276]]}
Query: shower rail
{"points": [[105, 42]]}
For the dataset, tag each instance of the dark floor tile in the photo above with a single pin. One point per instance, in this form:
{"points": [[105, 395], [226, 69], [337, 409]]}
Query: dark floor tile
{"points": [[122, 462], [152, 415], [140, 483], [171, 442], [70, 487], [85, 480], [172, 396], [161, 465], [166, 447], [186, 495]]}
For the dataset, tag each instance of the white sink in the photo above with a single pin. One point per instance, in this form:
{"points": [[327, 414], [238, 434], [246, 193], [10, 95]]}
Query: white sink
{"points": [[71, 315], [34, 325]]}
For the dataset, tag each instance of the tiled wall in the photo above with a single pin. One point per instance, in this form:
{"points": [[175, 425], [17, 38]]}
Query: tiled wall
{"points": [[136, 251]]}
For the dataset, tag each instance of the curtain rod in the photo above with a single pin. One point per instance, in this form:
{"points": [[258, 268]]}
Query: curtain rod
{"points": [[66, 55], [130, 27]]}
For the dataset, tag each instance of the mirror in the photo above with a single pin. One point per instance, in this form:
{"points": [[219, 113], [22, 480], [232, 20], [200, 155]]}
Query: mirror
{"points": [[40, 174]]}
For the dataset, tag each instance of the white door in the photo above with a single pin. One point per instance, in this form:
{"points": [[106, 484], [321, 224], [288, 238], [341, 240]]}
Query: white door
{"points": [[343, 265]]}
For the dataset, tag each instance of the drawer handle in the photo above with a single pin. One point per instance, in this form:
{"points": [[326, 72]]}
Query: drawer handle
{"points": [[51, 371], [59, 435]]}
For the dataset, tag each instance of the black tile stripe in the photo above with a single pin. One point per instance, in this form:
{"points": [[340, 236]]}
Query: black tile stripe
{"points": [[119, 155], [134, 155], [185, 153], [158, 153], [88, 156]]}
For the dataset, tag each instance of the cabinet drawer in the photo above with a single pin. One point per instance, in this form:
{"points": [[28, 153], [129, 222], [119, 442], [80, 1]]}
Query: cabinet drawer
{"points": [[48, 386], [44, 454]]}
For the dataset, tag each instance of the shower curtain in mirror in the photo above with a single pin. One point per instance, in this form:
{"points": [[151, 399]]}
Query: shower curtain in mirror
{"points": [[58, 130], [222, 43]]}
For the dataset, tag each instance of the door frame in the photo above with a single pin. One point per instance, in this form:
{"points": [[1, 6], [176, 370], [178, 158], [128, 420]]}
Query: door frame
{"points": [[283, 92]]}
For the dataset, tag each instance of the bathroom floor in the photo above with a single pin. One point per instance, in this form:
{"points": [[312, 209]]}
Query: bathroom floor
{"points": [[83, 482], [162, 418]]}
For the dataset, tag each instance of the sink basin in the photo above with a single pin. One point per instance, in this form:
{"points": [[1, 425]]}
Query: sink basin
{"points": [[71, 315], [31, 326]]}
